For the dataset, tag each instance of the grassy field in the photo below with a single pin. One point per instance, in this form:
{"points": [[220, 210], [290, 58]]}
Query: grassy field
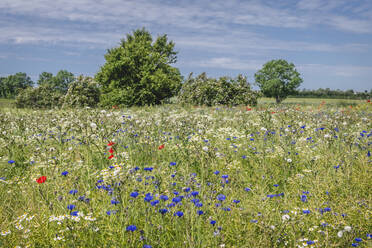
{"points": [[293, 175], [312, 101], [6, 103]]}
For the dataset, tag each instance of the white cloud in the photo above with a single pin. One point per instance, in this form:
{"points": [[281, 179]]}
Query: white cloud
{"points": [[336, 70], [229, 64]]}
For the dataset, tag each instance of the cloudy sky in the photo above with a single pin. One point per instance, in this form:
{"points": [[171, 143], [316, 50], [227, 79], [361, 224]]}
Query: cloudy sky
{"points": [[330, 42]]}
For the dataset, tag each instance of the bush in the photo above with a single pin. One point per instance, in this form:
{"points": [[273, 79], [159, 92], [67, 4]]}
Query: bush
{"points": [[83, 92], [41, 97], [223, 91], [138, 72]]}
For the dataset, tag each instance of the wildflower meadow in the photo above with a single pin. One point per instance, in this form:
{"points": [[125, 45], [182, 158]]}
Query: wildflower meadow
{"points": [[290, 175]]}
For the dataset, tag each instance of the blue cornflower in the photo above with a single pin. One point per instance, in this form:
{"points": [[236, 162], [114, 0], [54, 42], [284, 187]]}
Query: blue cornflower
{"points": [[11, 162], [195, 200], [163, 211], [217, 172], [73, 191], [100, 181], [358, 239], [131, 228], [244, 157], [327, 209], [148, 168], [221, 197], [111, 212], [148, 197], [177, 199], [146, 246], [178, 213], [194, 193], [172, 163], [225, 176], [186, 190], [154, 203], [164, 197], [226, 209], [200, 212], [276, 185], [64, 173], [306, 211], [304, 198], [247, 189], [236, 201], [368, 154], [71, 207], [134, 194], [354, 244], [212, 222], [175, 192], [114, 202], [254, 221], [198, 204], [310, 242], [171, 205], [74, 213]]}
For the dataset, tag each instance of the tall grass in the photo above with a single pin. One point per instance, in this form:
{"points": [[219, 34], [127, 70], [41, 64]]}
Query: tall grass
{"points": [[285, 176]]}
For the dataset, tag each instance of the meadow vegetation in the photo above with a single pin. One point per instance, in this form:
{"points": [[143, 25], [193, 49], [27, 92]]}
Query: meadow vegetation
{"points": [[289, 175]]}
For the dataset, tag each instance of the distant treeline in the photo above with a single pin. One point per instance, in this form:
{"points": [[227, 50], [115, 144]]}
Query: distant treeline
{"points": [[11, 85], [337, 94]]}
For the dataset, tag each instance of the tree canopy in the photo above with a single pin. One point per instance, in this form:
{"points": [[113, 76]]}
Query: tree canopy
{"points": [[59, 82], [278, 79], [138, 71], [11, 85]]}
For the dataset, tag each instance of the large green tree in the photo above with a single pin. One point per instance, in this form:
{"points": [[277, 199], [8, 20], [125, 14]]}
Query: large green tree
{"points": [[11, 85], [278, 79], [59, 82], [138, 71]]}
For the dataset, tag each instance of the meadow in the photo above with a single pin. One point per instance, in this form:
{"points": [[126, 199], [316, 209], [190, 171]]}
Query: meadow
{"points": [[291, 175]]}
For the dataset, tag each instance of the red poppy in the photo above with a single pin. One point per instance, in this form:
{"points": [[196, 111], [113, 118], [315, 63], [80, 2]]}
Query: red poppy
{"points": [[161, 147], [111, 143], [368, 100], [111, 150], [111, 156], [248, 109], [41, 179], [273, 112]]}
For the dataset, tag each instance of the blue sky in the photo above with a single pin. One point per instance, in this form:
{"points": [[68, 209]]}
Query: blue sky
{"points": [[330, 42]]}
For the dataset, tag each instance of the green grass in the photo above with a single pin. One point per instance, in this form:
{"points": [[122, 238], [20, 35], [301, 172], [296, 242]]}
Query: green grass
{"points": [[272, 167], [6, 103], [307, 101]]}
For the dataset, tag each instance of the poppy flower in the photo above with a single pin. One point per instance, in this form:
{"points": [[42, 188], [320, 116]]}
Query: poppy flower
{"points": [[111, 150], [111, 156], [161, 147], [248, 109], [41, 179], [111, 143]]}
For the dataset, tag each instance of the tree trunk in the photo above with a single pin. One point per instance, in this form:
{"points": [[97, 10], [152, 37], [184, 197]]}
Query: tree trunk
{"points": [[278, 100]]}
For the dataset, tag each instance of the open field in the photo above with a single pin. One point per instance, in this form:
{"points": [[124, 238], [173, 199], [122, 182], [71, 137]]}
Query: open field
{"points": [[6, 103], [286, 176], [307, 101]]}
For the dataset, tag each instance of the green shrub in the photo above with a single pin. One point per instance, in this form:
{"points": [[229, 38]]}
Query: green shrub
{"points": [[223, 91], [83, 92], [41, 97]]}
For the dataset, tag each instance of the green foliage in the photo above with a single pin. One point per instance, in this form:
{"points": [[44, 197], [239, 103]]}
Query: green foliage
{"points": [[59, 82], [138, 72], [11, 85], [278, 79], [44, 96], [83, 92], [210, 91]]}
